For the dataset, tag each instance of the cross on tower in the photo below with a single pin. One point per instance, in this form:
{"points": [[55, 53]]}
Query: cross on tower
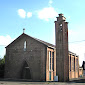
{"points": [[23, 30]]}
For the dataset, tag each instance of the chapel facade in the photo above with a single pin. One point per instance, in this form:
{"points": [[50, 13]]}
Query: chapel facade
{"points": [[36, 60]]}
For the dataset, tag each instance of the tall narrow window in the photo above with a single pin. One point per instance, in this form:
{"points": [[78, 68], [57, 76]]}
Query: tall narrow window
{"points": [[49, 75], [74, 63], [70, 62], [49, 60], [25, 46], [53, 61]]}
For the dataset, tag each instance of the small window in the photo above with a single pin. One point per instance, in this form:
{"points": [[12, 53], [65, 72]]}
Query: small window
{"points": [[25, 46]]}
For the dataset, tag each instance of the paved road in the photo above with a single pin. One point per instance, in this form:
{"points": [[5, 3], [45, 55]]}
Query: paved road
{"points": [[79, 81], [38, 83]]}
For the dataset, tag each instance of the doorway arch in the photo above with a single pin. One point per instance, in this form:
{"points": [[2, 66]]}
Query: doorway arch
{"points": [[25, 74]]}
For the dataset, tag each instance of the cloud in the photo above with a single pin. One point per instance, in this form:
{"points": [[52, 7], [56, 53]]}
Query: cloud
{"points": [[50, 2], [73, 35], [76, 47], [47, 13], [22, 13], [4, 41], [79, 49], [68, 17], [29, 14]]}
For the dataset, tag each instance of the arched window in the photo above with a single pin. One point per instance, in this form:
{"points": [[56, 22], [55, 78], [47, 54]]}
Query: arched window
{"points": [[25, 45]]}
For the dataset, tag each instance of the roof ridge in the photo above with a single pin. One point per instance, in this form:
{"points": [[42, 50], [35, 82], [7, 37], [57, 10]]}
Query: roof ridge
{"points": [[41, 41], [44, 42]]}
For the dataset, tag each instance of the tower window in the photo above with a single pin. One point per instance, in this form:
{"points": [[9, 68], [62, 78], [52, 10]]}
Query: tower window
{"points": [[25, 46], [60, 24]]}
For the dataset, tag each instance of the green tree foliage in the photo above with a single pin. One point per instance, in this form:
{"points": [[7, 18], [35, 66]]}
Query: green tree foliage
{"points": [[2, 64]]}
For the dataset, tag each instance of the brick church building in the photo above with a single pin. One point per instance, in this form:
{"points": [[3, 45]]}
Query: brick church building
{"points": [[36, 60]]}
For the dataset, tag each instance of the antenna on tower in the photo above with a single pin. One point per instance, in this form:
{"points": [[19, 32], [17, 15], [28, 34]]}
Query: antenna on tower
{"points": [[23, 30]]}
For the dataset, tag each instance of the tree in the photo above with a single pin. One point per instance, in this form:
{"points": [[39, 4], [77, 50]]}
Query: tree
{"points": [[2, 64]]}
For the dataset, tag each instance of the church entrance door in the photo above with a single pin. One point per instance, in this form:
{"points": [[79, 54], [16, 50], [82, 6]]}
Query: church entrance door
{"points": [[26, 71]]}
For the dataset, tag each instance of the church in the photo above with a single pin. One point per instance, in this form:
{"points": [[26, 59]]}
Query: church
{"points": [[36, 60]]}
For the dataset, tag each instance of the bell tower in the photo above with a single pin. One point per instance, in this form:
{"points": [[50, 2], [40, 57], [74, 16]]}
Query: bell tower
{"points": [[62, 59]]}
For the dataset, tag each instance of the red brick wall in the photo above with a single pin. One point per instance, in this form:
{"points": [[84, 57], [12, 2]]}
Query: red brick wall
{"points": [[73, 66], [53, 72]]}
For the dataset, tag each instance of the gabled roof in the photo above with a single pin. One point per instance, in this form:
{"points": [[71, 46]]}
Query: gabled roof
{"points": [[41, 41], [46, 43]]}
